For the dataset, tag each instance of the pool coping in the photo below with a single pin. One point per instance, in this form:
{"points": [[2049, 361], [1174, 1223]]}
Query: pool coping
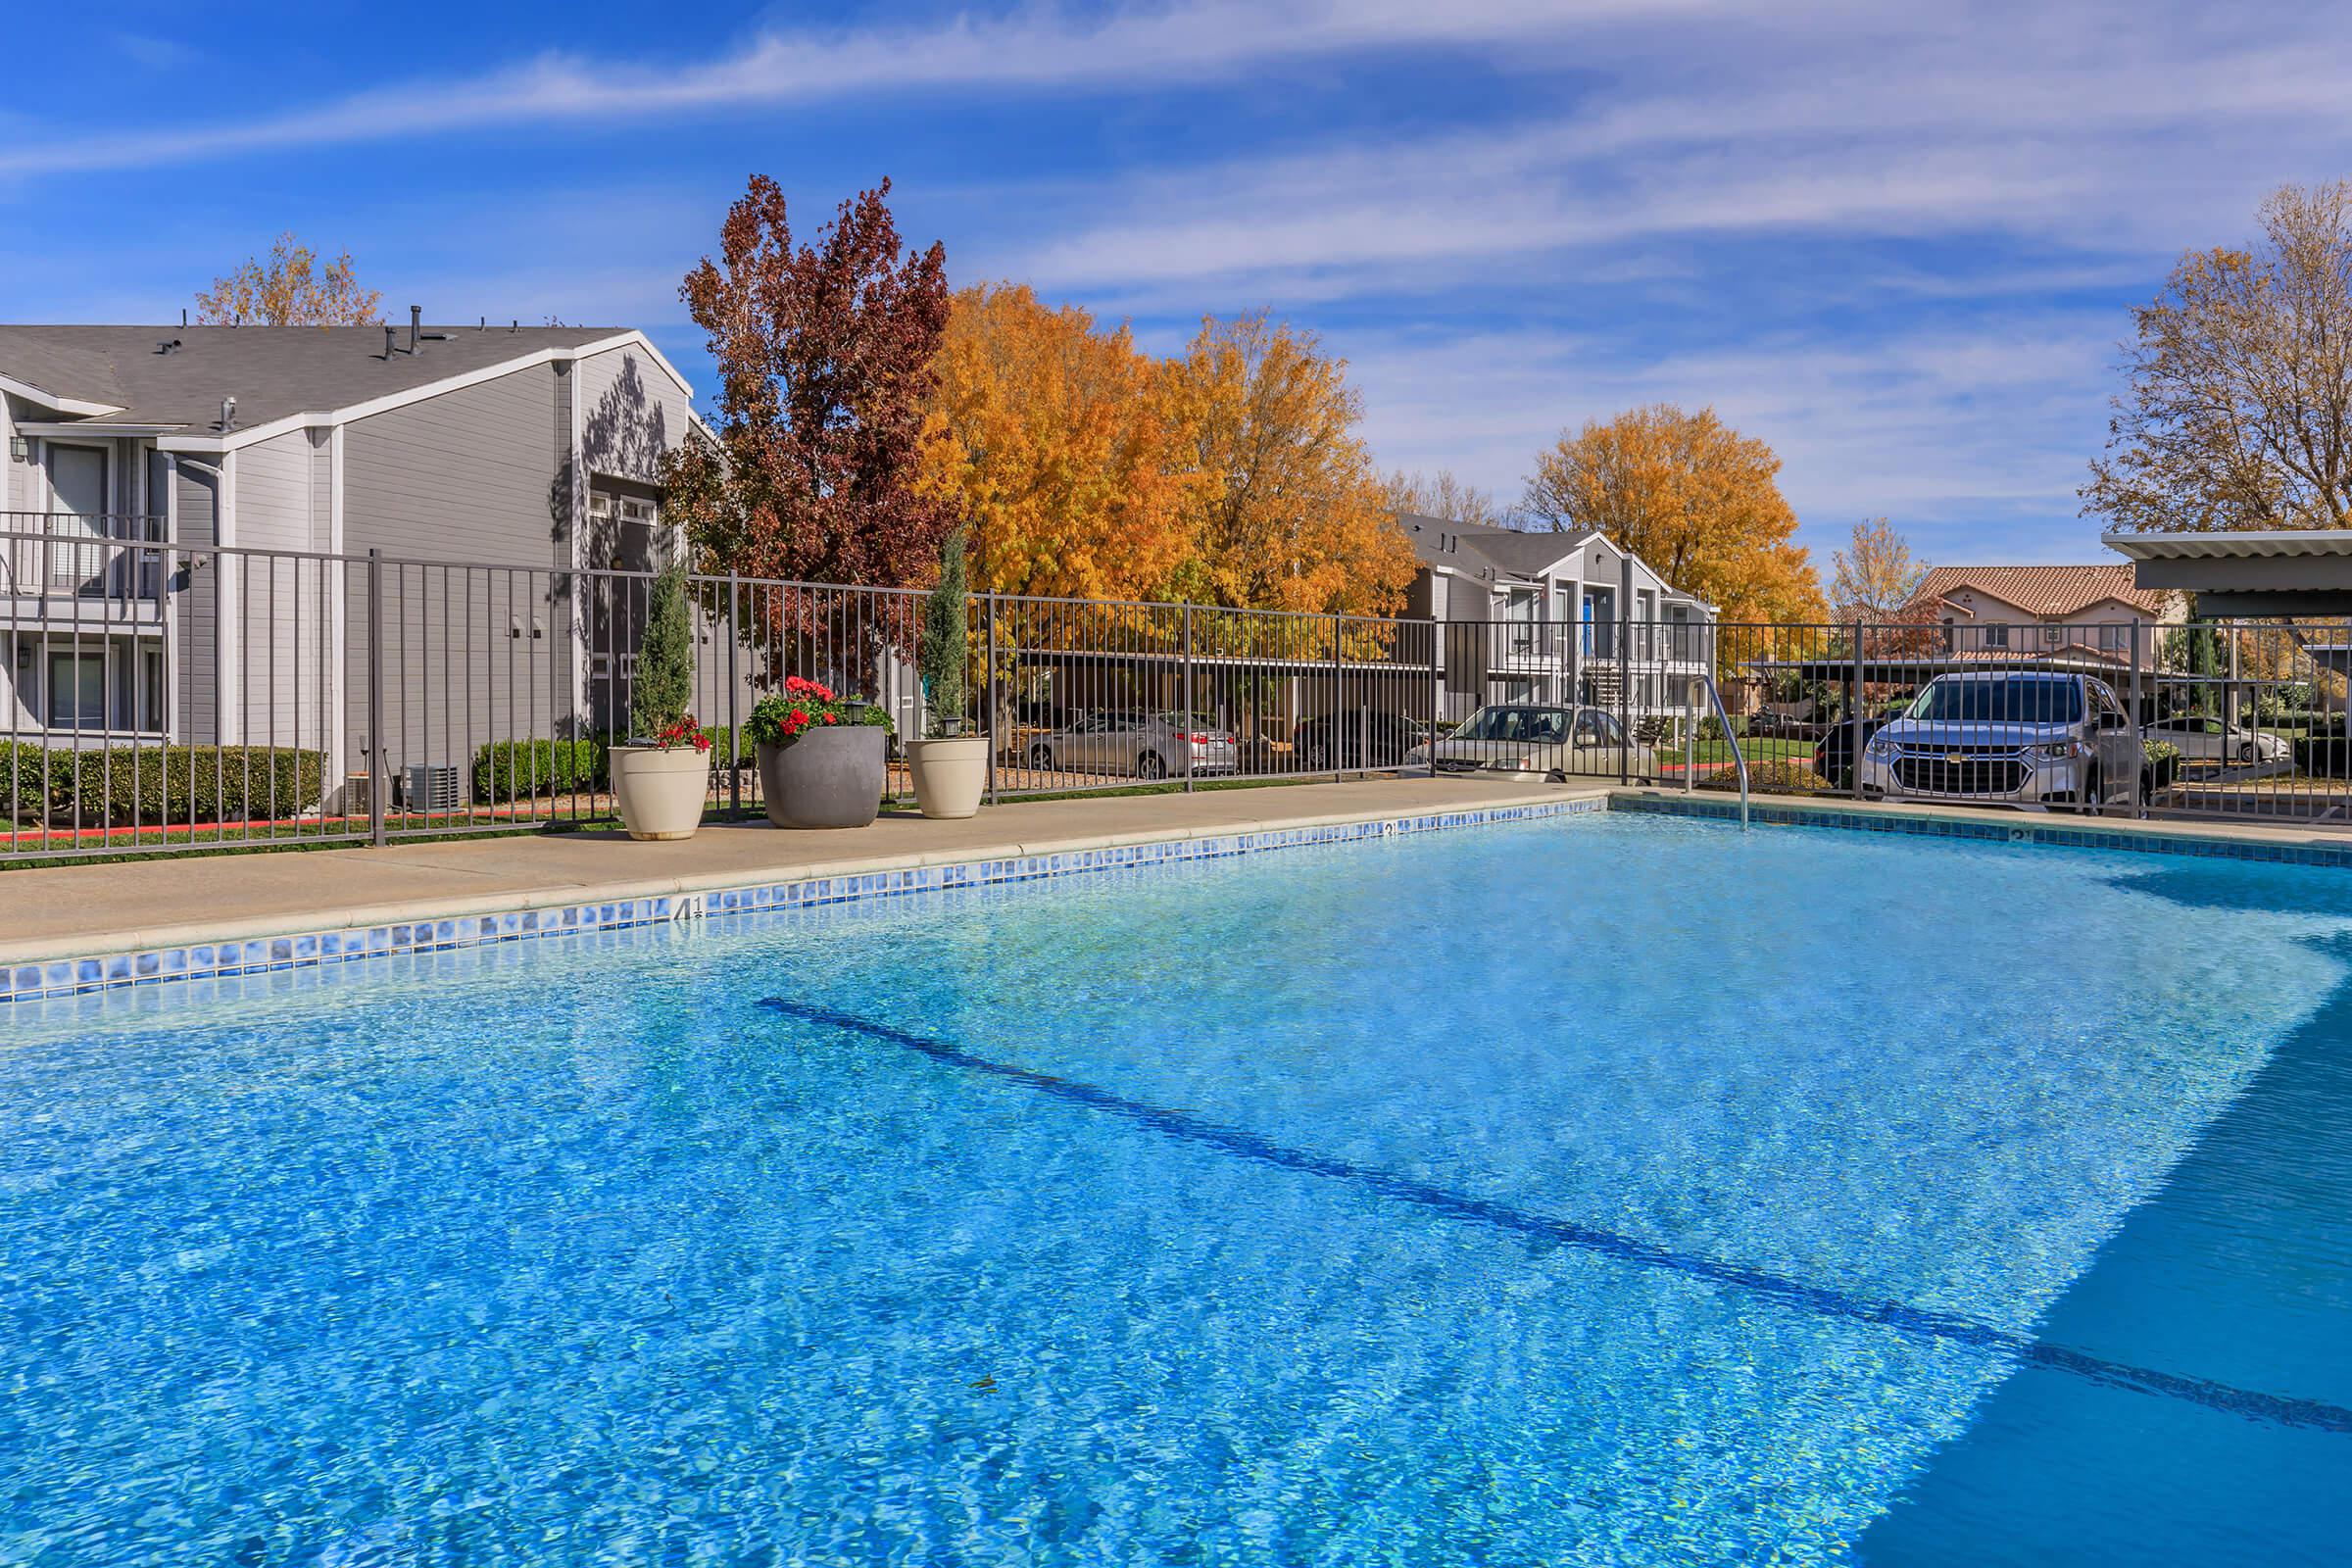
{"points": [[2286, 846], [71, 966]]}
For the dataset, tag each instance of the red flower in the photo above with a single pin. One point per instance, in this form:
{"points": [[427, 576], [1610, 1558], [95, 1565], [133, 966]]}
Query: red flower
{"points": [[832, 719], [800, 715]]}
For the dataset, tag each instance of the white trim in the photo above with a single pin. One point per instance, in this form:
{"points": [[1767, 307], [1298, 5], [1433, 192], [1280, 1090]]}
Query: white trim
{"points": [[576, 504], [314, 419], [50, 400], [229, 613], [175, 562], [94, 428], [337, 613]]}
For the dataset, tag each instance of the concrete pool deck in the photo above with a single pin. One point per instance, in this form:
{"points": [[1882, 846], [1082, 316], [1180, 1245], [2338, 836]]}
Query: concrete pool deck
{"points": [[81, 911]]}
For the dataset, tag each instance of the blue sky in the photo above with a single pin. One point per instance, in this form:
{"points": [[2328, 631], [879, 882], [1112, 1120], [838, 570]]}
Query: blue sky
{"points": [[1899, 242]]}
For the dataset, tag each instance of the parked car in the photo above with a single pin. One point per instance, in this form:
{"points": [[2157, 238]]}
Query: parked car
{"points": [[1145, 745], [1537, 738], [1834, 757], [2209, 740], [2012, 738], [1355, 739], [1781, 724]]}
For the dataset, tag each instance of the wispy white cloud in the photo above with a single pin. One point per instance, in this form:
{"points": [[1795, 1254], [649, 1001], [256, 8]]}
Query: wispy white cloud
{"points": [[1027, 50], [1973, 439]]}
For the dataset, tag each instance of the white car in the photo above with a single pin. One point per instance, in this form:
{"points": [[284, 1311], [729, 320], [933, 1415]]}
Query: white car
{"points": [[1540, 739], [2209, 740]]}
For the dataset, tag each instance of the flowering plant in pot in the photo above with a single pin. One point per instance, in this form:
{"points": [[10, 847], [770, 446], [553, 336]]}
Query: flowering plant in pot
{"points": [[950, 767], [822, 756], [658, 778]]}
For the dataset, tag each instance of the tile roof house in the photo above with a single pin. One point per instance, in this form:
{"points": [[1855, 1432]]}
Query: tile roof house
{"points": [[2013, 611], [142, 462]]}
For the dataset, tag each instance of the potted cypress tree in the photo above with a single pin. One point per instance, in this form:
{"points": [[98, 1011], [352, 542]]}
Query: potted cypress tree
{"points": [[660, 776], [949, 768]]}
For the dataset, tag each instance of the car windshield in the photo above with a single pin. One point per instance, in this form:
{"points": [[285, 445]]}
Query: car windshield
{"points": [[2000, 700], [1542, 727]]}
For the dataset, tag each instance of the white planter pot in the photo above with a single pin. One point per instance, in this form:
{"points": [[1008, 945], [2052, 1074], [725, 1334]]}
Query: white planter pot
{"points": [[948, 775], [660, 792]]}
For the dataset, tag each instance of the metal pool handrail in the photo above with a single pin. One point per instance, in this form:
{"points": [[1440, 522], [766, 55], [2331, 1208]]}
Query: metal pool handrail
{"points": [[1738, 758]]}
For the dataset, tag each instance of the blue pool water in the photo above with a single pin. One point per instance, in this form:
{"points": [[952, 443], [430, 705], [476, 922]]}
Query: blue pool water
{"points": [[1621, 1190]]}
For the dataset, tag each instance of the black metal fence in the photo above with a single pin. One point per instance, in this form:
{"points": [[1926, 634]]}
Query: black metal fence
{"points": [[162, 696]]}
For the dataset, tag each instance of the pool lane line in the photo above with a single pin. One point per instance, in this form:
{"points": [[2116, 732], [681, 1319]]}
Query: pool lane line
{"points": [[1917, 1322]]}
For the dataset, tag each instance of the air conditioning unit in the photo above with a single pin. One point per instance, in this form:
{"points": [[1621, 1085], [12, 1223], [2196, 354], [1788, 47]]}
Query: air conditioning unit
{"points": [[432, 787]]}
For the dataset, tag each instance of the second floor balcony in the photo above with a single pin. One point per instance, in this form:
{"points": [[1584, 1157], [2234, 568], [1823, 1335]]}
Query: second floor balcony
{"points": [[105, 566]]}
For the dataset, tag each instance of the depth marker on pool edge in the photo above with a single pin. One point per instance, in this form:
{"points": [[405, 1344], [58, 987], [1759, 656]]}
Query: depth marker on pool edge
{"points": [[1916, 1322]]}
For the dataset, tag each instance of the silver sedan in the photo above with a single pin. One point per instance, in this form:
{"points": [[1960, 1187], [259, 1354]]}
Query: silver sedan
{"points": [[1145, 745]]}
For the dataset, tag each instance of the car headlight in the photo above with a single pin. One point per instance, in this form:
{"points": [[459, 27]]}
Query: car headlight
{"points": [[2060, 750], [1512, 765], [1879, 749]]}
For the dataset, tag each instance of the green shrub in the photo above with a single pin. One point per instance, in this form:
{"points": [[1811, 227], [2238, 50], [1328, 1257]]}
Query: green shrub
{"points": [[510, 770], [161, 785], [1770, 778], [663, 683], [941, 652], [2323, 756]]}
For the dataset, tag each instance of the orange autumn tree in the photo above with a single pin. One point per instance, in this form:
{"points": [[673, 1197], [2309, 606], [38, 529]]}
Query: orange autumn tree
{"points": [[1049, 437], [1286, 510], [1694, 498], [290, 290]]}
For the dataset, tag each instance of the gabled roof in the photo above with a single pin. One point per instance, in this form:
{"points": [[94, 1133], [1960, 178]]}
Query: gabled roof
{"points": [[2041, 591], [274, 372], [1483, 549]]}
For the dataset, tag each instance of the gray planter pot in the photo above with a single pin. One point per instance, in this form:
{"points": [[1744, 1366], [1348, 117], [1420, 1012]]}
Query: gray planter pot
{"points": [[829, 778]]}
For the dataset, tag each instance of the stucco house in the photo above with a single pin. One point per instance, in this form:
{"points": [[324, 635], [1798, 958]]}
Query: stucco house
{"points": [[1537, 616], [2017, 614], [537, 447]]}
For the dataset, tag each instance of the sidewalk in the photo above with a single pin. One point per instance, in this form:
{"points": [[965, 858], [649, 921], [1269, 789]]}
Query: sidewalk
{"points": [[126, 905]]}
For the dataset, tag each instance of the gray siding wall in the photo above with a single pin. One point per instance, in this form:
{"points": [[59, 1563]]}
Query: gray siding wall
{"points": [[189, 668], [472, 652], [283, 693], [631, 413]]}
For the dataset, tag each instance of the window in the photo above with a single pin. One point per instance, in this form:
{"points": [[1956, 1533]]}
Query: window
{"points": [[2052, 634], [1996, 636], [1596, 728], [1999, 699], [77, 689], [2111, 638], [118, 688]]}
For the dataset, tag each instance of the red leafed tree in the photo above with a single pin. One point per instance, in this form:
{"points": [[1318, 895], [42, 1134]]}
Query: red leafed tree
{"points": [[824, 356]]}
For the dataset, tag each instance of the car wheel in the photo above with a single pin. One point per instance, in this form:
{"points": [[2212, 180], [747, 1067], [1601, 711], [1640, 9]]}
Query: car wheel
{"points": [[1316, 759], [2245, 752], [1149, 766], [1041, 758], [2095, 791]]}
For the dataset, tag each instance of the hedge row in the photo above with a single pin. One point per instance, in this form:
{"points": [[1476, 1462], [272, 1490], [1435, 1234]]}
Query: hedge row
{"points": [[2323, 756], [159, 784], [512, 770]]}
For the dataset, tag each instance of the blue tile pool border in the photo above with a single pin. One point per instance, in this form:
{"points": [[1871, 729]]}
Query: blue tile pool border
{"points": [[73, 976], [1992, 829]]}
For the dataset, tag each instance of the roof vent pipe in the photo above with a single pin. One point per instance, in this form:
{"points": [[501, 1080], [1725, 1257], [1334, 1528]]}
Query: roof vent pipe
{"points": [[388, 331], [228, 413], [415, 316], [183, 315]]}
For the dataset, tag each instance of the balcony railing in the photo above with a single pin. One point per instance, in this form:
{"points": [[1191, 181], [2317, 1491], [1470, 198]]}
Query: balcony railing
{"points": [[83, 554]]}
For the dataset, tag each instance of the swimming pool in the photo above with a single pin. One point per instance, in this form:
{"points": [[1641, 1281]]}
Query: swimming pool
{"points": [[1620, 1190]]}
